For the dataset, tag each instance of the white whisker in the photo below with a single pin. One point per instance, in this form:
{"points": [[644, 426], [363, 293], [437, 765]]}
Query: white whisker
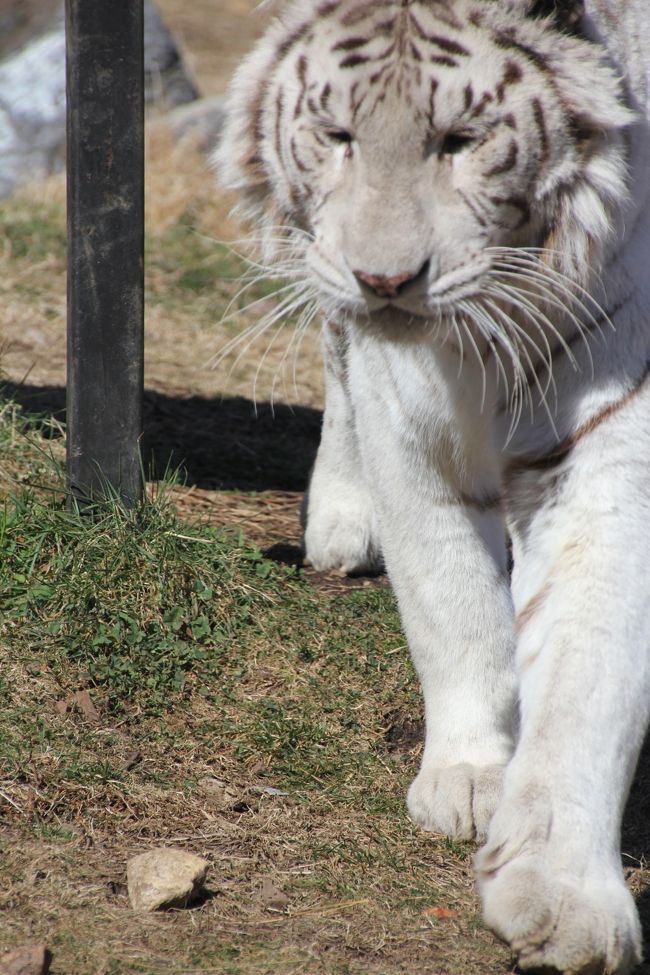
{"points": [[487, 328], [461, 349], [525, 337], [232, 344], [229, 315], [531, 312], [539, 316], [518, 258], [479, 357], [297, 335], [536, 280]]}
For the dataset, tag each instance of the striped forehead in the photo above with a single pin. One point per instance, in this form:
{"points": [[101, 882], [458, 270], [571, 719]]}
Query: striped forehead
{"points": [[416, 34], [362, 53]]}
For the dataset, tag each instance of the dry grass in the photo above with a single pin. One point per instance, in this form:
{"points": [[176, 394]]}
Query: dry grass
{"points": [[214, 36], [187, 220], [299, 883]]}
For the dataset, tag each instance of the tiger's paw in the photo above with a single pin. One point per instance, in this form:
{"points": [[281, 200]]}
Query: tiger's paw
{"points": [[458, 800], [341, 533], [557, 920]]}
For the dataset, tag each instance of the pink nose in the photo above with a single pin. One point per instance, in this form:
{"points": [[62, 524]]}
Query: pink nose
{"points": [[386, 287]]}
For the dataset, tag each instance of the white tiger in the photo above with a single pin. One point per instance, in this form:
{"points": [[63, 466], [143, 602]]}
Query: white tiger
{"points": [[465, 184]]}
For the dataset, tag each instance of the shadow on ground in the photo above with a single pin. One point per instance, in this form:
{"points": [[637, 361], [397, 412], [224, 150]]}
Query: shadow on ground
{"points": [[636, 839], [216, 444]]}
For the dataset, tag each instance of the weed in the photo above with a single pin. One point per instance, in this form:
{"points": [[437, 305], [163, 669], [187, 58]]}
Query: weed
{"points": [[38, 236], [133, 602]]}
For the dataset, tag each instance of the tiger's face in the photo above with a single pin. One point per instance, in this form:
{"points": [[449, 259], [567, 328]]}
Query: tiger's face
{"points": [[412, 142], [414, 157]]}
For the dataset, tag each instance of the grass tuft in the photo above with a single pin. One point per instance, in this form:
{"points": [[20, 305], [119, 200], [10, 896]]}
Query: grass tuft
{"points": [[130, 602]]}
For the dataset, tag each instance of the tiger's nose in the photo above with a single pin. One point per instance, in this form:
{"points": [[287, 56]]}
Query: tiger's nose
{"points": [[386, 287]]}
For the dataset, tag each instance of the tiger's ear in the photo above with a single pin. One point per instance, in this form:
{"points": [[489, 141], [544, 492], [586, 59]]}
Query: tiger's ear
{"points": [[566, 14]]}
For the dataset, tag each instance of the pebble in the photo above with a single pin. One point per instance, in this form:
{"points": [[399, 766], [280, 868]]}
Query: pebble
{"points": [[163, 878], [26, 960]]}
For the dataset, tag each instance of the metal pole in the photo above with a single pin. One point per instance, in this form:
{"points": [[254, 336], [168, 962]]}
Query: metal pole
{"points": [[105, 159]]}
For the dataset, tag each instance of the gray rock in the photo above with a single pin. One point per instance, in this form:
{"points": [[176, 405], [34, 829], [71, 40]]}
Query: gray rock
{"points": [[167, 82], [163, 878], [32, 96], [32, 111], [202, 120]]}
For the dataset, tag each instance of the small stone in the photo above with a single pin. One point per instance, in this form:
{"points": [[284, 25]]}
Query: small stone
{"points": [[268, 790], [26, 960], [61, 707], [272, 897], [83, 703], [163, 878], [219, 793]]}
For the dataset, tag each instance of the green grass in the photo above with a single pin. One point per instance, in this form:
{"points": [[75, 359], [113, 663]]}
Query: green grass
{"points": [[184, 265], [124, 600], [202, 658], [145, 611], [37, 236]]}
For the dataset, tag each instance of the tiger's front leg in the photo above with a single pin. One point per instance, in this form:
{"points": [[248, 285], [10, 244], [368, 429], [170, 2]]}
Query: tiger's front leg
{"points": [[338, 513], [443, 542], [550, 874]]}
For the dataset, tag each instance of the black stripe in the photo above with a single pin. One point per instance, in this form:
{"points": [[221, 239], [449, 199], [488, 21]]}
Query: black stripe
{"points": [[480, 107], [507, 41], [508, 163], [443, 60], [351, 44], [540, 122], [473, 207], [353, 60], [301, 70]]}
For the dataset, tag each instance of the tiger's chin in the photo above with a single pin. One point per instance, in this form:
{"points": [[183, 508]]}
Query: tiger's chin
{"points": [[396, 324]]}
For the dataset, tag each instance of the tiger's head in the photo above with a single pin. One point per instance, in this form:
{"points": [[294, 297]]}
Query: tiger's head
{"points": [[409, 150]]}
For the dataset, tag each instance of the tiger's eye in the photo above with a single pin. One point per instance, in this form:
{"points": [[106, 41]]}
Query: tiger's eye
{"points": [[339, 135], [455, 142]]}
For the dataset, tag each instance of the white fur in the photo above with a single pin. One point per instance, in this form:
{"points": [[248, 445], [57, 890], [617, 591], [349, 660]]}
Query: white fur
{"points": [[424, 428], [341, 530]]}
